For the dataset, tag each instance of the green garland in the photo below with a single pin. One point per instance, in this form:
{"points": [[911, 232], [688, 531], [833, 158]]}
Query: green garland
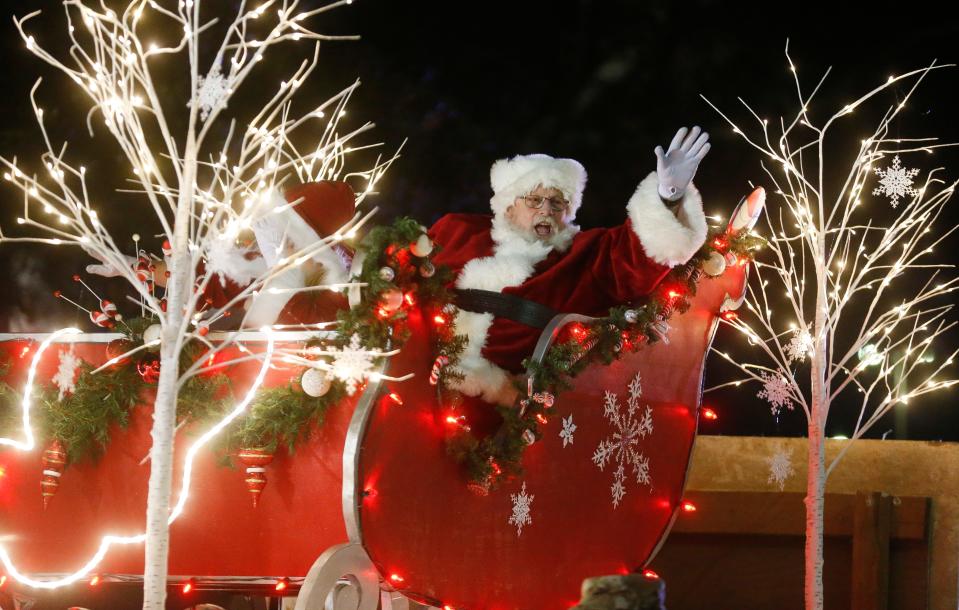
{"points": [[625, 329], [285, 415]]}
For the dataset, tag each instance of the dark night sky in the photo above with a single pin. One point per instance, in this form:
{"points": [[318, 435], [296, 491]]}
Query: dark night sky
{"points": [[600, 81]]}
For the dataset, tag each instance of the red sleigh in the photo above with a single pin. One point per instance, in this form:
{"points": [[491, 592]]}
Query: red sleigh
{"points": [[370, 510]]}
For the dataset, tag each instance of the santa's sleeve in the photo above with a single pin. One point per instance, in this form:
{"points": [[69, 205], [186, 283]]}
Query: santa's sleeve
{"points": [[634, 257], [668, 238]]}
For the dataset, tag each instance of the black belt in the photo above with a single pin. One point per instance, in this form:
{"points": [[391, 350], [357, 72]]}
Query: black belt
{"points": [[507, 306]]}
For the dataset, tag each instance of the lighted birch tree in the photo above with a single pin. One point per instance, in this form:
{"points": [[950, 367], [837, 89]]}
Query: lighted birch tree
{"points": [[848, 301], [200, 186]]}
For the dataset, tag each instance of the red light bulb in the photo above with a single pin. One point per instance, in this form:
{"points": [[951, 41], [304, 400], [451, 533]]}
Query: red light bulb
{"points": [[650, 575], [281, 584], [730, 315], [440, 320], [397, 579], [95, 580], [709, 414], [396, 398], [408, 297], [188, 586], [689, 507]]}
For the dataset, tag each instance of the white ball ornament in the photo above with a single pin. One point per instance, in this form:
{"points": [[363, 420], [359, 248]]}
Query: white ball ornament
{"points": [[422, 247], [152, 333], [715, 264], [315, 383], [631, 316]]}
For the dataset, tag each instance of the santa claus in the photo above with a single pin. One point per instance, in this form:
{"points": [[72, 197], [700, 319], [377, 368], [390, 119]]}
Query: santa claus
{"points": [[527, 262], [520, 266]]}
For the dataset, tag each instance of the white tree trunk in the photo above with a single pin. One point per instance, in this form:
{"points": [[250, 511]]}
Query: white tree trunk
{"points": [[816, 471], [179, 288], [815, 488]]}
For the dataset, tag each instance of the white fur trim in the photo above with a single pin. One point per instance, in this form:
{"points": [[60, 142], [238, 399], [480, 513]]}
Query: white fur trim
{"points": [[512, 263], [266, 306], [515, 177], [669, 239], [230, 261]]}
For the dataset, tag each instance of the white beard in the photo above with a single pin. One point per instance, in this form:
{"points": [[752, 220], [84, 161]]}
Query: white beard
{"points": [[506, 235]]}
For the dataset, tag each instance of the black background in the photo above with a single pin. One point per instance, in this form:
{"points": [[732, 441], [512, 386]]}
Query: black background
{"points": [[600, 81]]}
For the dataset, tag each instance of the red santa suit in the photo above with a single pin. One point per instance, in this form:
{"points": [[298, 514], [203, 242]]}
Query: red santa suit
{"points": [[299, 218], [584, 272]]}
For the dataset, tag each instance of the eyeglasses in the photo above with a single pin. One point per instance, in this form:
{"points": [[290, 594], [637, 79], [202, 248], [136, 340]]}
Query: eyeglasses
{"points": [[556, 204]]}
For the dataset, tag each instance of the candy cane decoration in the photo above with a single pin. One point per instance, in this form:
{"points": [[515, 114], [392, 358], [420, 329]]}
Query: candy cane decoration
{"points": [[438, 364]]}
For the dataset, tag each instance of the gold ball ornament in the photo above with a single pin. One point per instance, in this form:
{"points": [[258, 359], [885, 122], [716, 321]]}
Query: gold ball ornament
{"points": [[315, 383]]}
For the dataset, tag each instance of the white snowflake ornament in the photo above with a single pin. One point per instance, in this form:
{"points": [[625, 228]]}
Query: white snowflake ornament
{"points": [[522, 503], [895, 182], [799, 346], [212, 92], [66, 376], [352, 364], [621, 446], [780, 467], [777, 391], [567, 432]]}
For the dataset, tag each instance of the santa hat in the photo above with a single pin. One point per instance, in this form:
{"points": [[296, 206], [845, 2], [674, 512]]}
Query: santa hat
{"points": [[516, 177], [316, 210]]}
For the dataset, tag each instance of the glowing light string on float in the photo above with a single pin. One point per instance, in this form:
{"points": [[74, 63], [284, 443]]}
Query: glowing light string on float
{"points": [[109, 540], [30, 442]]}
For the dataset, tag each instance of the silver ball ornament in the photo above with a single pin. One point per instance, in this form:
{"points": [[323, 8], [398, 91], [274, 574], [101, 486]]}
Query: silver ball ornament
{"points": [[631, 316], [387, 274]]}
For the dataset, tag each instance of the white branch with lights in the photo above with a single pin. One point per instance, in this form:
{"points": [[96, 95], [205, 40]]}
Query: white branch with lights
{"points": [[843, 307], [203, 189]]}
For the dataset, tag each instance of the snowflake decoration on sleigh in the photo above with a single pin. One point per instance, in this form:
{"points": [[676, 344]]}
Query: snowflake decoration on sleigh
{"points": [[522, 503], [895, 182], [352, 364], [622, 445]]}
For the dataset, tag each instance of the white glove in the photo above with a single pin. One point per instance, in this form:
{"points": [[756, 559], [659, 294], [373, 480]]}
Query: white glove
{"points": [[270, 230], [675, 169], [106, 268]]}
